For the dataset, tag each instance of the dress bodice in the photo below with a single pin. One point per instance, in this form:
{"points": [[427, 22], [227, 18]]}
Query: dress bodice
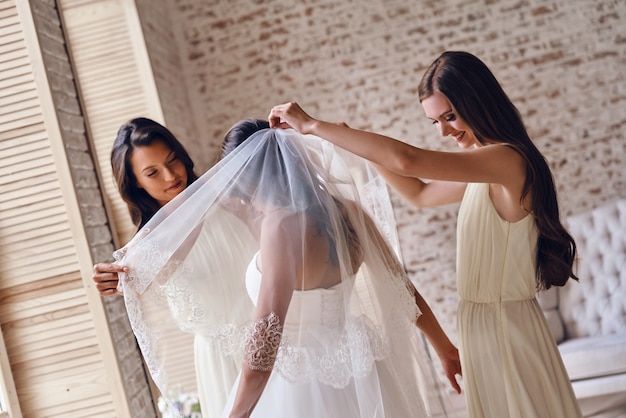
{"points": [[495, 258], [307, 307]]}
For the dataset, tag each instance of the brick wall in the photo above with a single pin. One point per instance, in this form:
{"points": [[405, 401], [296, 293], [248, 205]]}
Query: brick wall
{"points": [[561, 61], [163, 52]]}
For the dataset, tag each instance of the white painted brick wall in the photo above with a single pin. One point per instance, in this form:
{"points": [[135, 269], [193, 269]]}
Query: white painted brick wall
{"points": [[562, 62]]}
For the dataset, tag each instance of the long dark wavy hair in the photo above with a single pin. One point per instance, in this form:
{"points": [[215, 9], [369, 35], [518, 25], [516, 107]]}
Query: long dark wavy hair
{"points": [[141, 132], [482, 104]]}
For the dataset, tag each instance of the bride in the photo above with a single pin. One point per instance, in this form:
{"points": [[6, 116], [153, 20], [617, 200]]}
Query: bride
{"points": [[323, 319]]}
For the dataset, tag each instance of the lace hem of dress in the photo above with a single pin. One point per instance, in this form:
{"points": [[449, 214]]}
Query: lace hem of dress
{"points": [[353, 354]]}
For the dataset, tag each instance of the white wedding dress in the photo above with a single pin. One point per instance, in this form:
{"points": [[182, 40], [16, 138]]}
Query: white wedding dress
{"points": [[301, 394], [327, 387]]}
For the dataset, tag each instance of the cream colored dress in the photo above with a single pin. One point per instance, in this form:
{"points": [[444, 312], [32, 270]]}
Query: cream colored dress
{"points": [[511, 364]]}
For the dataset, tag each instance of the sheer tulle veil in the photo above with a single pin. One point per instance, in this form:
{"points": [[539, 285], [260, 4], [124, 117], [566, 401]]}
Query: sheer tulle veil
{"points": [[192, 304]]}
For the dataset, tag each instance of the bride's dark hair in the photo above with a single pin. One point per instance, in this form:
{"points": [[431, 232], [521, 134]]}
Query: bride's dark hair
{"points": [[241, 131], [306, 200]]}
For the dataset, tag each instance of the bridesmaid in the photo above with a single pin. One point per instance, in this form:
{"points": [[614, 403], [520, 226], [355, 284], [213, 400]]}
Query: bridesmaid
{"points": [[510, 239], [151, 167]]}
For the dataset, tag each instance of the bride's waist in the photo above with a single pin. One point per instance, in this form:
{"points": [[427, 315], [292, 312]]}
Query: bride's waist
{"points": [[323, 307]]}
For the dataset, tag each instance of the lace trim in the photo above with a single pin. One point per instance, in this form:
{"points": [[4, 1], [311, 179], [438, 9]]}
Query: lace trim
{"points": [[153, 264], [262, 343], [186, 307], [352, 356], [375, 198], [147, 337], [405, 292], [352, 353]]}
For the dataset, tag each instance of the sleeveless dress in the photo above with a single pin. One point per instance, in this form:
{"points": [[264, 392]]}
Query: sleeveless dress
{"points": [[511, 364], [375, 394]]}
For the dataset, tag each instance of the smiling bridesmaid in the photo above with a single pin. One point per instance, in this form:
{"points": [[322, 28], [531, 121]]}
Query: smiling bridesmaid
{"points": [[510, 240]]}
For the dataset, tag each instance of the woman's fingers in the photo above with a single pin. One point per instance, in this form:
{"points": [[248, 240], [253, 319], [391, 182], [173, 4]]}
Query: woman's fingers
{"points": [[107, 288], [106, 277], [277, 116], [289, 115], [109, 268]]}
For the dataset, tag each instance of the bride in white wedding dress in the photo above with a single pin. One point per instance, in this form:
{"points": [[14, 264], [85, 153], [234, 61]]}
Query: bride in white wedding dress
{"points": [[323, 321]]}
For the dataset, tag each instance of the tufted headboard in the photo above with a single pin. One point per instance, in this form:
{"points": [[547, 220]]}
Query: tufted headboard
{"points": [[597, 304]]}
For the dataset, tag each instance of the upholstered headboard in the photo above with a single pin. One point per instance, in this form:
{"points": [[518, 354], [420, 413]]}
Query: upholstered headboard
{"points": [[597, 304]]}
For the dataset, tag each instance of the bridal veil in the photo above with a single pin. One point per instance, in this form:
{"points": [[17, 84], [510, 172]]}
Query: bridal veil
{"points": [[196, 312]]}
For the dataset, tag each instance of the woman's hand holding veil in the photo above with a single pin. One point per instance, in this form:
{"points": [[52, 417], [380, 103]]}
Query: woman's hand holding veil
{"points": [[291, 115]]}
